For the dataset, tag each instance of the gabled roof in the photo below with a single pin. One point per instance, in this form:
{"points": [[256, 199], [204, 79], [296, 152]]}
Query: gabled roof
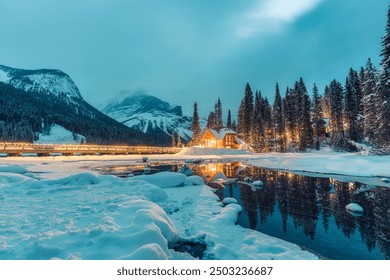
{"points": [[220, 133]]}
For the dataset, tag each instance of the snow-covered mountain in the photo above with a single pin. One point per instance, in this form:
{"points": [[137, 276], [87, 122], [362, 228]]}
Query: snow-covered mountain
{"points": [[33, 102], [147, 113], [47, 81]]}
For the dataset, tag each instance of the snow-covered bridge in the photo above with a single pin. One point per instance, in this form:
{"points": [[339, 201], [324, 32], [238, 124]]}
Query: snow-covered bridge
{"points": [[18, 149]]}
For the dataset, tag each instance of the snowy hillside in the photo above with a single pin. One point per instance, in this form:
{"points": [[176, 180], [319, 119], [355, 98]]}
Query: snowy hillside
{"points": [[54, 82], [60, 135], [147, 113]]}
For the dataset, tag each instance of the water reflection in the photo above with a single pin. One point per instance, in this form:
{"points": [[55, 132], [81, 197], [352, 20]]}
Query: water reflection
{"points": [[310, 211]]}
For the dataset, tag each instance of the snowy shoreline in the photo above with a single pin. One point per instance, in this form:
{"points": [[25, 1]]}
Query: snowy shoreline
{"points": [[67, 210]]}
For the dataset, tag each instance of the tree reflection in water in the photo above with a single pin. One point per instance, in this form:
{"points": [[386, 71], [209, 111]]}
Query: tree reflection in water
{"points": [[311, 212]]}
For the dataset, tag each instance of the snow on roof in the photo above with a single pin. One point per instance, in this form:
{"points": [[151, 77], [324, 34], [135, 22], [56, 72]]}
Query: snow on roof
{"points": [[220, 133]]}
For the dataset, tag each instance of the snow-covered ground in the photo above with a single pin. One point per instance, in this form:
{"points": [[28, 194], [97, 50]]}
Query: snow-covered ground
{"points": [[60, 135], [88, 216], [60, 207]]}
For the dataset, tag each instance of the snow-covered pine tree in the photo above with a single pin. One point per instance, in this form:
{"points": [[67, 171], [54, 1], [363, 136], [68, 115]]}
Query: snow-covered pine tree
{"points": [[179, 143], [278, 120], [173, 139], [382, 98], [306, 129], [317, 116], [368, 89], [211, 120], [229, 120], [351, 106], [247, 113], [336, 114], [240, 120], [268, 125], [234, 125], [257, 129], [195, 126], [218, 114], [289, 116]]}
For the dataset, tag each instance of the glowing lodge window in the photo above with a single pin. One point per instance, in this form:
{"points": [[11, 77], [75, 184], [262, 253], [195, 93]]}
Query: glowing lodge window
{"points": [[229, 140]]}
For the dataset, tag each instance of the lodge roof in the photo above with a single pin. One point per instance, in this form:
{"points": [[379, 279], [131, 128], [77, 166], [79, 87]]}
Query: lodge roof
{"points": [[220, 133]]}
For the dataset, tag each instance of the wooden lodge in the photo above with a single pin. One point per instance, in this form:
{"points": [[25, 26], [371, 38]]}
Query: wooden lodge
{"points": [[220, 138]]}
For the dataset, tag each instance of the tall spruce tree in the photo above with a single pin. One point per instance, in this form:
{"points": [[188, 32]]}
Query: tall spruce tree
{"points": [[351, 107], [257, 129], [278, 120], [382, 98], [305, 127], [218, 114], [195, 126], [368, 89], [245, 114], [211, 122], [229, 120], [317, 115], [336, 113]]}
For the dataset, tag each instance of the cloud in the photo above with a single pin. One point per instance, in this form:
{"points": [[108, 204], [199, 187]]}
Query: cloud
{"points": [[273, 15]]}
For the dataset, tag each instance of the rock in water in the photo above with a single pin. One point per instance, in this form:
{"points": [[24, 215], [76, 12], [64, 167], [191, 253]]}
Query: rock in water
{"points": [[354, 207]]}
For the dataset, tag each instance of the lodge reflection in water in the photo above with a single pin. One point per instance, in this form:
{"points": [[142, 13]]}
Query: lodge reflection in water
{"points": [[315, 206]]}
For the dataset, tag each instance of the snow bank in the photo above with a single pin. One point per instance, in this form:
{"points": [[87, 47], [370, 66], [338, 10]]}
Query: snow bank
{"points": [[13, 169], [163, 179], [83, 217], [211, 151]]}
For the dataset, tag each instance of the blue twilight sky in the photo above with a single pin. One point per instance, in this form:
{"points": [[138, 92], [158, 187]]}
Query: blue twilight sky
{"points": [[184, 51]]}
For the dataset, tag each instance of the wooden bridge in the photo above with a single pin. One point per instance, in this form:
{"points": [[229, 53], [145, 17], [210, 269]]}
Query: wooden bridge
{"points": [[19, 149]]}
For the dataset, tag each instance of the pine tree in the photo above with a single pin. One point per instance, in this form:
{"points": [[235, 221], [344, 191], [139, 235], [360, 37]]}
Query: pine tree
{"points": [[211, 120], [278, 119], [196, 130], [248, 112], [234, 125], [179, 143], [305, 127], [317, 116], [336, 113], [229, 120], [351, 106], [257, 128], [173, 139], [368, 90], [218, 114], [382, 93]]}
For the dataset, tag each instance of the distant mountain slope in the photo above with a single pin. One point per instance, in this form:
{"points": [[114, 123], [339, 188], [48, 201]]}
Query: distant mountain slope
{"points": [[31, 101], [150, 114]]}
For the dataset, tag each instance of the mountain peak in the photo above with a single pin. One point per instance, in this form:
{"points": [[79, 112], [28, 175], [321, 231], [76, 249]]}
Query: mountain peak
{"points": [[148, 113], [50, 81]]}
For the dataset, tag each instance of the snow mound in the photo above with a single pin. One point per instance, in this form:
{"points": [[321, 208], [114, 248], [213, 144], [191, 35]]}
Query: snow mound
{"points": [[13, 169], [60, 135], [194, 180], [229, 200], [354, 207], [211, 151], [163, 179], [83, 217]]}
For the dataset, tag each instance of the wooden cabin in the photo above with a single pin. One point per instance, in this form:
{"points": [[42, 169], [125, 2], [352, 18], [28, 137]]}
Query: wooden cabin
{"points": [[220, 138]]}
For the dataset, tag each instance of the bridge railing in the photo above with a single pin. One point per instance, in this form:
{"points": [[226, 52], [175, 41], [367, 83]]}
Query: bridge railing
{"points": [[16, 149]]}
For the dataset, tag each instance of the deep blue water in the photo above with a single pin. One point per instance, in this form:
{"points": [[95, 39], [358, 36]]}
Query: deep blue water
{"points": [[310, 212]]}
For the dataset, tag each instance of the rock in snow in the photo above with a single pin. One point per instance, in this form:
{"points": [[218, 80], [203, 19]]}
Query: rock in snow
{"points": [[354, 207], [258, 183], [229, 200]]}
